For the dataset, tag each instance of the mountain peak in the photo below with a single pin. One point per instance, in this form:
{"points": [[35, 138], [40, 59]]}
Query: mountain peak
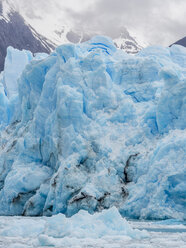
{"points": [[181, 42]]}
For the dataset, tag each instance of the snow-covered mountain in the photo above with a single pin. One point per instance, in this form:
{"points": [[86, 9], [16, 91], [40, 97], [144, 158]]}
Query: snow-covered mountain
{"points": [[128, 43], [42, 33], [16, 32], [124, 40], [65, 34], [58, 28]]}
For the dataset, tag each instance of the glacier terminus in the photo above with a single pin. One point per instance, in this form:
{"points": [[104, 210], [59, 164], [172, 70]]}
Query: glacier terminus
{"points": [[90, 127]]}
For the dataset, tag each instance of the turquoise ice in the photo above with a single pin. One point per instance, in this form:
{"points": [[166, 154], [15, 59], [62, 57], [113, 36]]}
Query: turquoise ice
{"points": [[93, 127]]}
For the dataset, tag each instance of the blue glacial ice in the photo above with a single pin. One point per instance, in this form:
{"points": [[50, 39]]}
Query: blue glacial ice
{"points": [[60, 231], [90, 127], [15, 63]]}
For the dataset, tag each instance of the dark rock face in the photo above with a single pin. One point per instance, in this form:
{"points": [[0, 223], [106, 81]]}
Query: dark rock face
{"points": [[1, 8], [16, 33], [181, 42]]}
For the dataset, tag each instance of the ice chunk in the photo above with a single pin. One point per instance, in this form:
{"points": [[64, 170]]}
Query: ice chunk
{"points": [[22, 228], [15, 62], [82, 225]]}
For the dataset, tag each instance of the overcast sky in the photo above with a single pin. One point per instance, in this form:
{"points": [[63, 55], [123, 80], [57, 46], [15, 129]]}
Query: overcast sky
{"points": [[156, 21]]}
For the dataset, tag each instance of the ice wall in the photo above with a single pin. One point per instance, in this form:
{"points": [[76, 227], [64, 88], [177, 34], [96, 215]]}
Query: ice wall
{"points": [[15, 63], [98, 128]]}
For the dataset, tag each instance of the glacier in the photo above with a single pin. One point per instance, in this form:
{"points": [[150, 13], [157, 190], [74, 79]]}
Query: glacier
{"points": [[90, 127]]}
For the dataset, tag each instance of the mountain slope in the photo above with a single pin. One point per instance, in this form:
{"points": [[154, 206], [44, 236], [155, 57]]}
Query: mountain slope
{"points": [[66, 34], [23, 32], [181, 42], [14, 31], [124, 41], [128, 43], [60, 29]]}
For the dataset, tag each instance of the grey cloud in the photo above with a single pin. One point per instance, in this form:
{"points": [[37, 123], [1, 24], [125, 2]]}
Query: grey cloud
{"points": [[151, 18]]}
